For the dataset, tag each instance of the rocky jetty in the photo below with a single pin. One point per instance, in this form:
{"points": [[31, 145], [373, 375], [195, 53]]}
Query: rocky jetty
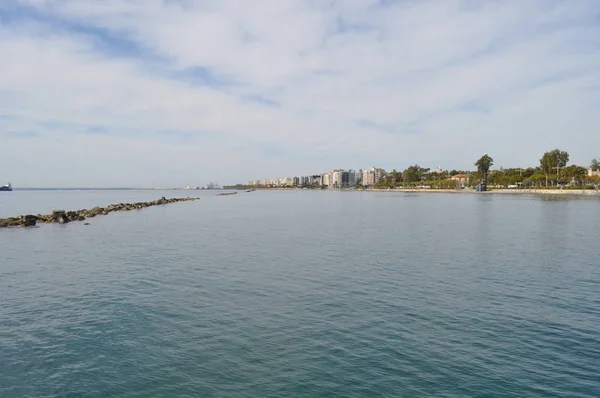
{"points": [[227, 193], [63, 217]]}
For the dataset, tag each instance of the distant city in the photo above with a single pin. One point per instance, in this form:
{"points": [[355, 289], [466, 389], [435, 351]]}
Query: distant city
{"points": [[552, 171], [212, 185], [337, 178]]}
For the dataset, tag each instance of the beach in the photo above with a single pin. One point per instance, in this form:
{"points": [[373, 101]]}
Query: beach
{"points": [[579, 192]]}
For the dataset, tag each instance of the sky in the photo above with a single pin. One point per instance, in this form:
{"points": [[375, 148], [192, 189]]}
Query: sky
{"points": [[181, 92]]}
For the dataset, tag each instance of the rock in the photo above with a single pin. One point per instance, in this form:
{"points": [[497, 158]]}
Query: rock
{"points": [[94, 212], [5, 222], [63, 217], [72, 215], [60, 217], [28, 220]]}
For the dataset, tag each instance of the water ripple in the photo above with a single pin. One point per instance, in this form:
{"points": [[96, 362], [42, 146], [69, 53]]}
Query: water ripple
{"points": [[306, 294]]}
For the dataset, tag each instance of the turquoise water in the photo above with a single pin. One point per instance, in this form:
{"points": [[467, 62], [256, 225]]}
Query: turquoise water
{"points": [[302, 294]]}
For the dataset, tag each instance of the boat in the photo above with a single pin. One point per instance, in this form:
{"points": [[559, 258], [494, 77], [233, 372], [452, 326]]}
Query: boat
{"points": [[6, 187]]}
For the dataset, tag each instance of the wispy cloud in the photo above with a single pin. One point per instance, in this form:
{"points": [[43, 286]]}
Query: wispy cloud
{"points": [[386, 83], [259, 99]]}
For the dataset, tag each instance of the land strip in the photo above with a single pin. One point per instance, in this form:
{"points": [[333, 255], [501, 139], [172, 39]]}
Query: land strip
{"points": [[579, 192]]}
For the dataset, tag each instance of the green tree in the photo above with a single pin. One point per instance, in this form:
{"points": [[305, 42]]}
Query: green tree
{"points": [[394, 178], [595, 165], [414, 173], [483, 167], [553, 161], [575, 174], [528, 172]]}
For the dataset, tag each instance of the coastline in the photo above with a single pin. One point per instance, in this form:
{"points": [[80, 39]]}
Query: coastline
{"points": [[576, 192], [573, 192]]}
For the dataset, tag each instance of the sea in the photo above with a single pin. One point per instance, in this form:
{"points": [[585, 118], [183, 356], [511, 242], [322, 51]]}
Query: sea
{"points": [[302, 294]]}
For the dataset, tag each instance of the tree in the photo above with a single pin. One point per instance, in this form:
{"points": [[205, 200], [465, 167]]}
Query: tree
{"points": [[483, 167], [595, 165], [414, 173], [528, 172], [575, 174], [394, 178], [553, 161]]}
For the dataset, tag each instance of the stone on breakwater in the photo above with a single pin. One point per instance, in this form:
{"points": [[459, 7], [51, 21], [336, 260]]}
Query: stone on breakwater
{"points": [[63, 217]]}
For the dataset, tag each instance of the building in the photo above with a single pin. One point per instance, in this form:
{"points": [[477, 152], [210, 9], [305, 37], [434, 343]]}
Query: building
{"points": [[345, 178], [351, 178], [358, 176], [325, 180], [372, 176], [368, 178], [462, 179], [336, 178], [592, 173]]}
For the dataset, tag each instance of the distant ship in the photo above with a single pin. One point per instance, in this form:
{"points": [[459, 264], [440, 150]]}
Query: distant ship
{"points": [[6, 187]]}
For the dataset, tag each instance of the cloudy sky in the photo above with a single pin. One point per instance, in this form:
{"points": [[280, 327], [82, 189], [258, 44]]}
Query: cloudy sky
{"points": [[170, 93]]}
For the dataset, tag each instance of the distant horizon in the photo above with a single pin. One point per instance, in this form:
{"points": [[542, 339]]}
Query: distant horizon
{"points": [[183, 188], [15, 189]]}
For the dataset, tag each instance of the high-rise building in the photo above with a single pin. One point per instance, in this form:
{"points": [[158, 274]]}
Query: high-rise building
{"points": [[368, 178], [359, 176], [345, 178], [372, 176], [336, 178], [351, 177]]}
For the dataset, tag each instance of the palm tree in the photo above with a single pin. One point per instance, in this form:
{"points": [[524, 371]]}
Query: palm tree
{"points": [[483, 167]]}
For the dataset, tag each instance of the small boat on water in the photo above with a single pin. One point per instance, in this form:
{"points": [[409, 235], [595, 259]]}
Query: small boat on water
{"points": [[6, 187]]}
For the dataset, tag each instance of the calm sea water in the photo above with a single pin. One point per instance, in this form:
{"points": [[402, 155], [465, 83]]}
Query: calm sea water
{"points": [[302, 294]]}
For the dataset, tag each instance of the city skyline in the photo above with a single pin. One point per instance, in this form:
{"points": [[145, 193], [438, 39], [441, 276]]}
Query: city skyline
{"points": [[173, 93]]}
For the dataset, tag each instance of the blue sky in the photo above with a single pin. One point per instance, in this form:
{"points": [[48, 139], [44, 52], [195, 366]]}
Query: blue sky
{"points": [[170, 93]]}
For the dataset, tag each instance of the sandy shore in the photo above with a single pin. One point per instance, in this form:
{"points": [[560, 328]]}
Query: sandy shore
{"points": [[578, 192]]}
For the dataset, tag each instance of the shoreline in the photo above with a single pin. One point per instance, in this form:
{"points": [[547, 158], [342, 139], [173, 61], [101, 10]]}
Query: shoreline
{"points": [[574, 192]]}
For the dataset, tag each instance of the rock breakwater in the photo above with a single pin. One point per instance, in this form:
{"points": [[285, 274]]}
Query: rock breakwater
{"points": [[63, 217]]}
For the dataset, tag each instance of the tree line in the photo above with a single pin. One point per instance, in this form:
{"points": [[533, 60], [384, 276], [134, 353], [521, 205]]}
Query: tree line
{"points": [[553, 170]]}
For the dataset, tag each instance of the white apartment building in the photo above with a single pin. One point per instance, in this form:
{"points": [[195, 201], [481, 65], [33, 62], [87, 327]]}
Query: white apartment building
{"points": [[372, 176], [336, 178], [368, 178]]}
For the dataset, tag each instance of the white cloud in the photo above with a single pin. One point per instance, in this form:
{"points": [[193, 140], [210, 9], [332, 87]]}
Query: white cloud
{"points": [[446, 81]]}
